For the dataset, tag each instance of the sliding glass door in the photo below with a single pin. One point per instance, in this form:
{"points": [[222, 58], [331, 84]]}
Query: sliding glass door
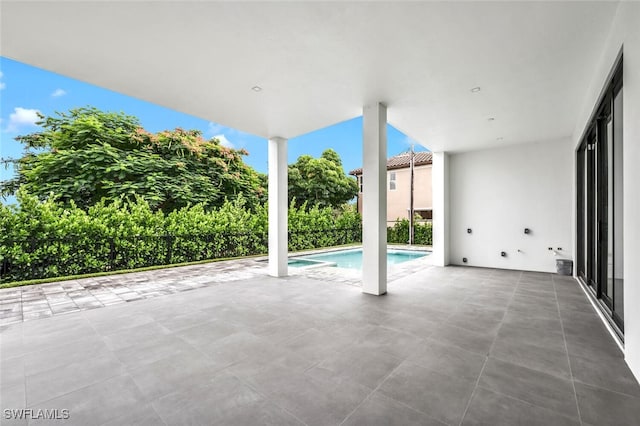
{"points": [[599, 205], [616, 276]]}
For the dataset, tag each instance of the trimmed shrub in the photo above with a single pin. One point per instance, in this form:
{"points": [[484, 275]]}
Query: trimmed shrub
{"points": [[399, 233], [42, 239]]}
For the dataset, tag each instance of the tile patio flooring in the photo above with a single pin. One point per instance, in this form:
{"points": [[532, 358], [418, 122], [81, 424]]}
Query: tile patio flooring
{"points": [[45, 300], [57, 298], [446, 346]]}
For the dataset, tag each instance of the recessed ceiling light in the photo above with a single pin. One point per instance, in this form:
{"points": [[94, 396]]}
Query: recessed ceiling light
{"points": [[475, 89], [491, 119], [256, 88]]}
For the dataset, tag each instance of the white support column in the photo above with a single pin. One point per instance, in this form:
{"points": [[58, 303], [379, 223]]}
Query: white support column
{"points": [[278, 207], [441, 234], [374, 198]]}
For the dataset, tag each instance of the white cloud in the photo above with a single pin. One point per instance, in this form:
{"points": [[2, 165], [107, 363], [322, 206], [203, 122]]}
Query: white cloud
{"points": [[22, 117], [215, 128], [220, 132], [57, 93], [224, 141]]}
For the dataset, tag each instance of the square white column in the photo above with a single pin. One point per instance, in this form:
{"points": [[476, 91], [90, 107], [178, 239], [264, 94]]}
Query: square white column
{"points": [[374, 199], [440, 185], [278, 207]]}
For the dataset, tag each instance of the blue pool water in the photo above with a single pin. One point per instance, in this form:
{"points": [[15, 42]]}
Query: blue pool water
{"points": [[301, 263], [353, 258]]}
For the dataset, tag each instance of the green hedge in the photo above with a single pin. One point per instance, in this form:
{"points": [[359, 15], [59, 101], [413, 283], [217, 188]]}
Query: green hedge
{"points": [[399, 233], [43, 239]]}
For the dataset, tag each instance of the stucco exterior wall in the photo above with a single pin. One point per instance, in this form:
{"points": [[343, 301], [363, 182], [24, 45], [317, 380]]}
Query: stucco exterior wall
{"points": [[398, 200], [499, 192]]}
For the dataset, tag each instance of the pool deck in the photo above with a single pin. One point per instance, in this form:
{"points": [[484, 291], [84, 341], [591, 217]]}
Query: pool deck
{"points": [[38, 301]]}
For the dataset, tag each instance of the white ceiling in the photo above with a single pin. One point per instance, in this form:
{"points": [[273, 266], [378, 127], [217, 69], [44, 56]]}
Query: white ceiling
{"points": [[318, 63]]}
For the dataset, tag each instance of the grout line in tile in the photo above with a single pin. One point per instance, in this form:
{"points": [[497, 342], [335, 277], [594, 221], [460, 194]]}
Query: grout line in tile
{"points": [[372, 392], [250, 386], [466, 408], [464, 414], [566, 348], [526, 402]]}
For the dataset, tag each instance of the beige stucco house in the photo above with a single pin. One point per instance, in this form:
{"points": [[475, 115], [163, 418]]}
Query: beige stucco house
{"points": [[399, 186]]}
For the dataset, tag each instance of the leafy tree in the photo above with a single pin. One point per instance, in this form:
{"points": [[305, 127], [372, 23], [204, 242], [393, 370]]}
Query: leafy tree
{"points": [[87, 155], [320, 181]]}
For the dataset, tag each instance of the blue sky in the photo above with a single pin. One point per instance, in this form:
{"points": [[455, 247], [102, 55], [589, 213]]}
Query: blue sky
{"points": [[25, 89]]}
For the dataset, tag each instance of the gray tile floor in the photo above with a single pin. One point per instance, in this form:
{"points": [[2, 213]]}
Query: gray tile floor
{"points": [[34, 302], [446, 346]]}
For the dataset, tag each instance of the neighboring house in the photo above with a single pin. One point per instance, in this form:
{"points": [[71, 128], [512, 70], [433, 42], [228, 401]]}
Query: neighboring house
{"points": [[399, 186]]}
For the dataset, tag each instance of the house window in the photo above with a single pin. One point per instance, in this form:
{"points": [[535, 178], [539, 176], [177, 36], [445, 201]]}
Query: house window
{"points": [[424, 214], [392, 181]]}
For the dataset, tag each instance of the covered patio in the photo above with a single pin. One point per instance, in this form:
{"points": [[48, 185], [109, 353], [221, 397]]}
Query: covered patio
{"points": [[446, 346], [505, 95]]}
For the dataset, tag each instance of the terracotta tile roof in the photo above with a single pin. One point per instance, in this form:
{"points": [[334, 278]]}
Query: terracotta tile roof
{"points": [[402, 161]]}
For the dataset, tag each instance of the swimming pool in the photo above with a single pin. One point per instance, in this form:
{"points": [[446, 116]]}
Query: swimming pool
{"points": [[306, 263], [352, 259]]}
